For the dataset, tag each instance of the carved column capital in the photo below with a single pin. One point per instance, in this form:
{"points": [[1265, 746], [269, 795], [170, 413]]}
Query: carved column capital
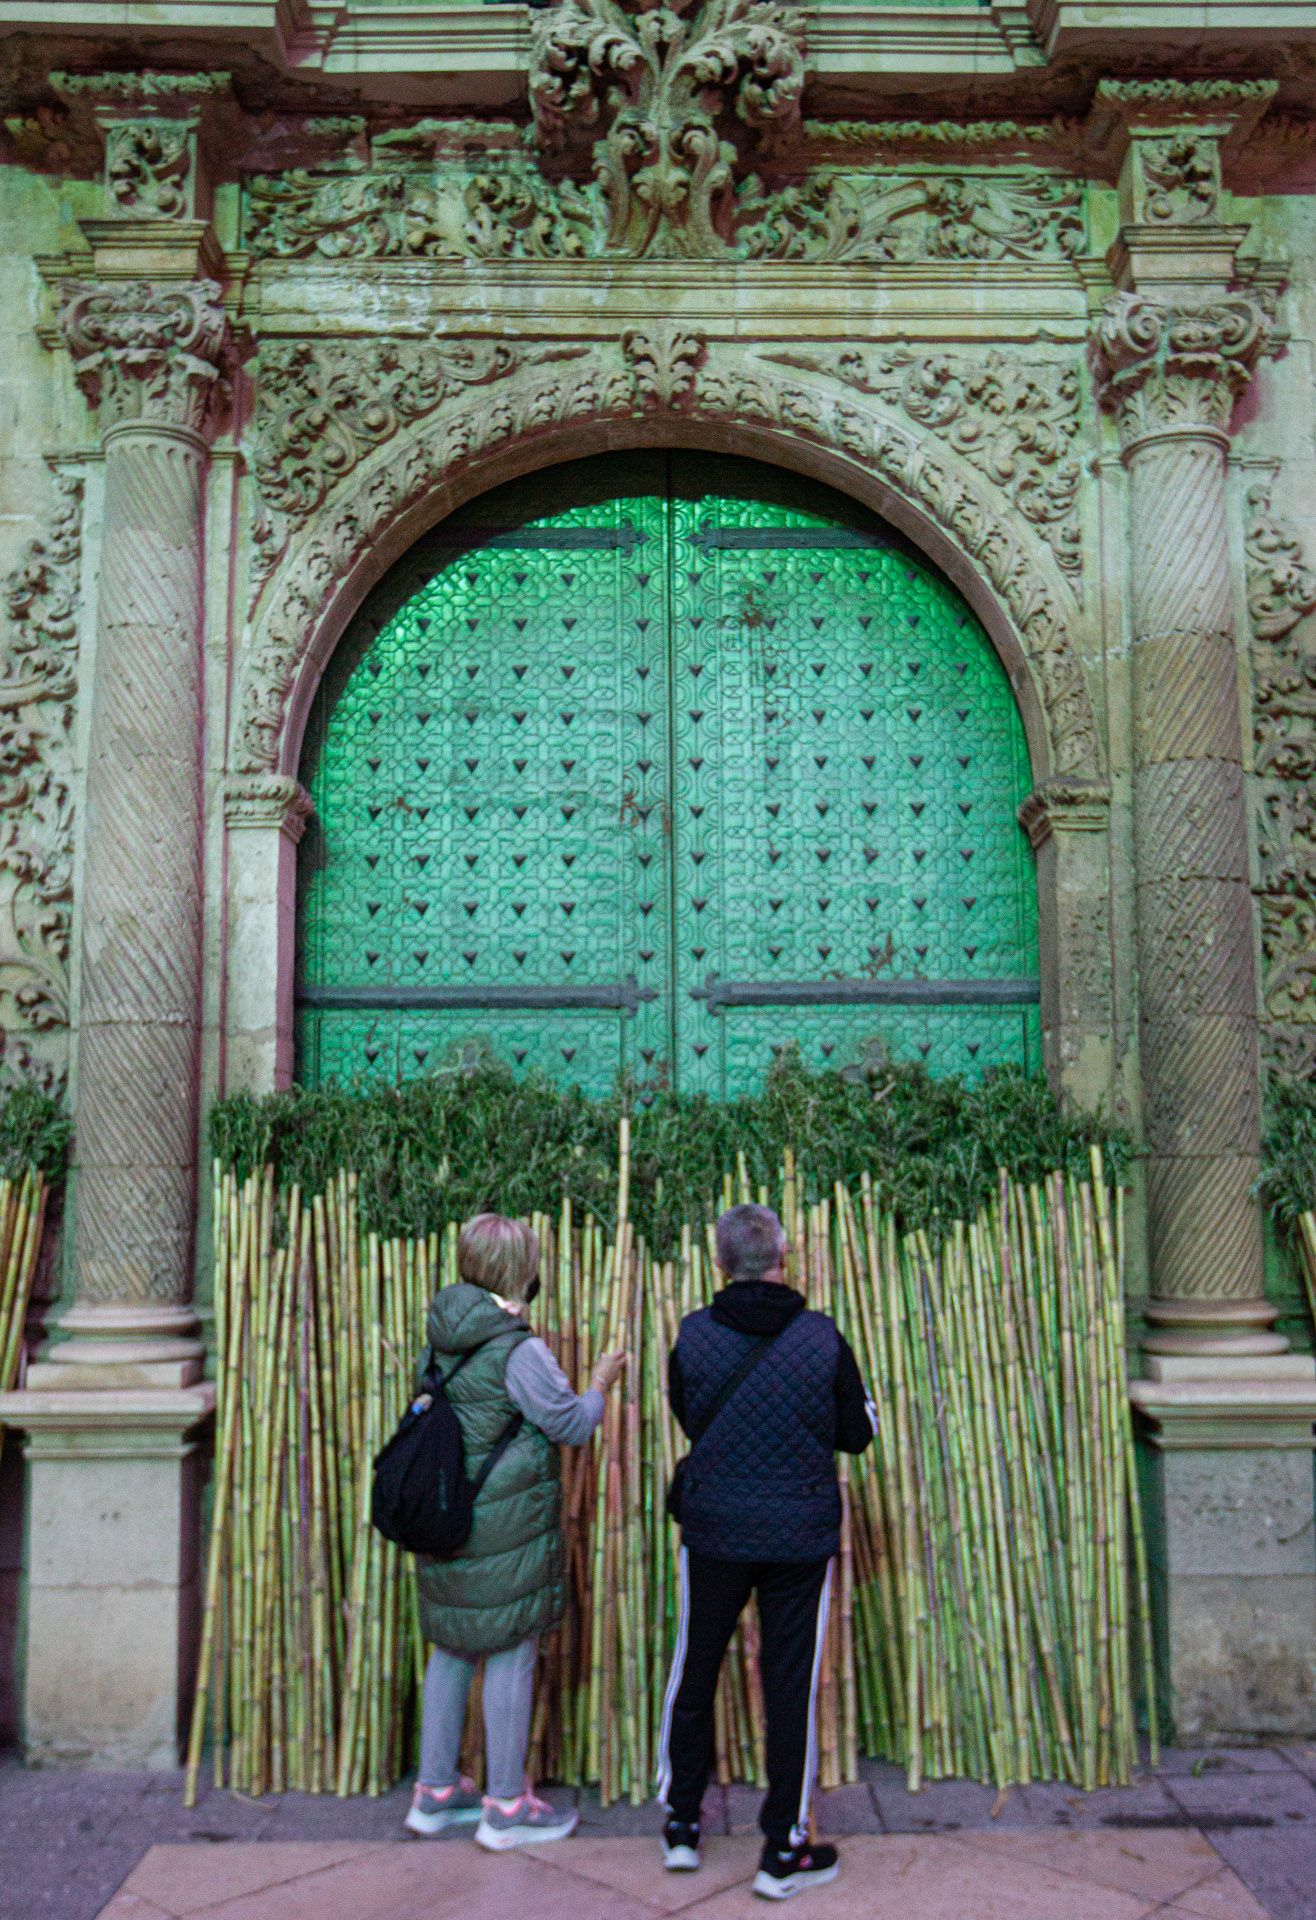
{"points": [[154, 355], [268, 800], [1169, 370], [1074, 806]]}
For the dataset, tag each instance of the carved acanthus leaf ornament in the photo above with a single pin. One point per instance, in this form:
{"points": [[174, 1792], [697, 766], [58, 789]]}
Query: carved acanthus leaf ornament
{"points": [[1017, 421], [667, 97], [666, 371], [1160, 366], [38, 686], [145, 352], [1281, 591]]}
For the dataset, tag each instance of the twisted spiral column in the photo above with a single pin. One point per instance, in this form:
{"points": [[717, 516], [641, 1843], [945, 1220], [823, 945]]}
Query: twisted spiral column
{"points": [[150, 359], [1172, 374]]}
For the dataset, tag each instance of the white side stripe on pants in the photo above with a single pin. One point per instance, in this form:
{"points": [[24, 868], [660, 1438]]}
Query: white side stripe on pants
{"points": [[800, 1831], [677, 1673]]}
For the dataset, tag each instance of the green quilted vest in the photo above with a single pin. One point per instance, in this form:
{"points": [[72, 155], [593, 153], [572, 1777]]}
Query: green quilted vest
{"points": [[508, 1581]]}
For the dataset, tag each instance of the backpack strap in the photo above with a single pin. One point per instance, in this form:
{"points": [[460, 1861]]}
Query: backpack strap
{"points": [[499, 1448], [733, 1382]]}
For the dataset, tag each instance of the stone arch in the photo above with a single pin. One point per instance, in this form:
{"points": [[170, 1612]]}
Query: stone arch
{"points": [[655, 388]]}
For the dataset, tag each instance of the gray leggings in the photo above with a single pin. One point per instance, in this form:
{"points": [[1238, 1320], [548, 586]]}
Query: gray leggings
{"points": [[509, 1689]]}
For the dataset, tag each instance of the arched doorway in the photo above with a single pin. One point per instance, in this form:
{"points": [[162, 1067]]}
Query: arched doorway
{"points": [[657, 761]]}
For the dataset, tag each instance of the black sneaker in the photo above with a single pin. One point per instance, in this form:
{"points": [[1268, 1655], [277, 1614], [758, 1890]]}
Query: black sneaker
{"points": [[681, 1846], [783, 1874]]}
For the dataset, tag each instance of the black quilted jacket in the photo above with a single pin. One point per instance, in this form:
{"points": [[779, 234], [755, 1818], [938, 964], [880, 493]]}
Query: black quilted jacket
{"points": [[761, 1483]]}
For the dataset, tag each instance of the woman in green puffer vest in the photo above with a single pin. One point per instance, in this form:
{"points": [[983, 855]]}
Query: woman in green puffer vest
{"points": [[507, 1586]]}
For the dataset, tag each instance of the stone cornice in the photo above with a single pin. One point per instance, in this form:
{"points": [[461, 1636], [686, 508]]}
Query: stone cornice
{"points": [[1170, 370], [450, 54], [148, 354]]}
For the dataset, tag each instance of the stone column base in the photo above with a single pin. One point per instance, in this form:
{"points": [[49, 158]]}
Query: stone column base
{"points": [[113, 1553], [1228, 1491]]}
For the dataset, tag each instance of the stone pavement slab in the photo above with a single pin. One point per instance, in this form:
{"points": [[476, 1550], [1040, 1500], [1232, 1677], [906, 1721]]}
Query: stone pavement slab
{"points": [[70, 1840], [1112, 1875]]}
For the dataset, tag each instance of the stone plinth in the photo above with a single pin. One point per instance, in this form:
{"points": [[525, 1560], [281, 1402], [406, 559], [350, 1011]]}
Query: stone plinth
{"points": [[114, 1480], [1228, 1485]]}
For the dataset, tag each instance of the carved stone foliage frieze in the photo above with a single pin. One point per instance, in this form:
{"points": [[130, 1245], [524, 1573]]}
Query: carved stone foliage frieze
{"points": [[920, 216], [666, 370], [666, 101], [505, 209], [1281, 591], [502, 210], [1159, 366], [148, 352], [148, 166], [321, 407], [38, 687], [1017, 421]]}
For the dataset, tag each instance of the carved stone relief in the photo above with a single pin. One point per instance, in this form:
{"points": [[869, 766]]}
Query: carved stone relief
{"points": [[144, 352], [1160, 366], [1281, 591], [1017, 421], [148, 164], [38, 686], [664, 98], [665, 369], [321, 407], [506, 209]]}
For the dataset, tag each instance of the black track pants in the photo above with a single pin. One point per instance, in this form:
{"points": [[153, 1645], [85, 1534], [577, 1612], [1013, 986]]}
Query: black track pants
{"points": [[792, 1597]]}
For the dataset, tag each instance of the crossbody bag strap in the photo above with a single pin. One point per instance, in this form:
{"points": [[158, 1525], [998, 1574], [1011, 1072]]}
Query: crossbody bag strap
{"points": [[734, 1381]]}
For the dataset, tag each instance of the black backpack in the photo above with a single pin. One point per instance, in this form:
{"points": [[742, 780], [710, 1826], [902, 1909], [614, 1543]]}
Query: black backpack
{"points": [[421, 1498]]}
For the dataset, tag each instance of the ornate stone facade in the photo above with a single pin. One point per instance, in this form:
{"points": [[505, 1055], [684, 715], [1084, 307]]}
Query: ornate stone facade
{"points": [[305, 298]]}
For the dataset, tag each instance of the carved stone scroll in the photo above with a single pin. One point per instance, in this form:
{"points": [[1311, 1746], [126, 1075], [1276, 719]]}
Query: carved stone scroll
{"points": [[38, 688]]}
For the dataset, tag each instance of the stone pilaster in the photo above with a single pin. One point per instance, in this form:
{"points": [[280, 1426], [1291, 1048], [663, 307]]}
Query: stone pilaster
{"points": [[151, 360], [266, 815], [1068, 823], [1172, 373]]}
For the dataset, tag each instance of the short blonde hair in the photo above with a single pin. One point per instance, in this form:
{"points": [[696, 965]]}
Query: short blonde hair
{"points": [[498, 1254]]}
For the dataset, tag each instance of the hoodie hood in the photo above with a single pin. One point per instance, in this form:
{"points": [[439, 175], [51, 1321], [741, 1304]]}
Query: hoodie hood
{"points": [[761, 1307], [463, 1317]]}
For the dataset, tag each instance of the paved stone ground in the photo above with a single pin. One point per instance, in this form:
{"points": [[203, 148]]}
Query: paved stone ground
{"points": [[1189, 1840]]}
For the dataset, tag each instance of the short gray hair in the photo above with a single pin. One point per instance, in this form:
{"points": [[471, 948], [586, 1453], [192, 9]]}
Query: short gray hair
{"points": [[750, 1242]]}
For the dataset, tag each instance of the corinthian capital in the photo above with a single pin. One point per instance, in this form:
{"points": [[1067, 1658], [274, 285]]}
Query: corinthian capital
{"points": [[157, 354], [1163, 368]]}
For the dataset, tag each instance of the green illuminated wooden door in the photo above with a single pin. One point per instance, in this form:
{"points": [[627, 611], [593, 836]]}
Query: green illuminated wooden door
{"points": [[656, 763]]}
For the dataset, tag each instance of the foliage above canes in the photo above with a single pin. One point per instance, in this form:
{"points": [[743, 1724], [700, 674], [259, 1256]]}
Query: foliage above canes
{"points": [[454, 1143]]}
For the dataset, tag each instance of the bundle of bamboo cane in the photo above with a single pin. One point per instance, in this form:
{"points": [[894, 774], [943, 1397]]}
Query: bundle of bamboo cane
{"points": [[992, 1615], [22, 1218]]}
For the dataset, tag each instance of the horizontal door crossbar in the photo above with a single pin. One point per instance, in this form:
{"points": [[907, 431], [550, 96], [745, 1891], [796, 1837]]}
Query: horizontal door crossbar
{"points": [[623, 539], [763, 539], [618, 996], [720, 994]]}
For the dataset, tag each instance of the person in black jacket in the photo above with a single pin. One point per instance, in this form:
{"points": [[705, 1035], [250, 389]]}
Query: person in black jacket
{"points": [[767, 1391]]}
